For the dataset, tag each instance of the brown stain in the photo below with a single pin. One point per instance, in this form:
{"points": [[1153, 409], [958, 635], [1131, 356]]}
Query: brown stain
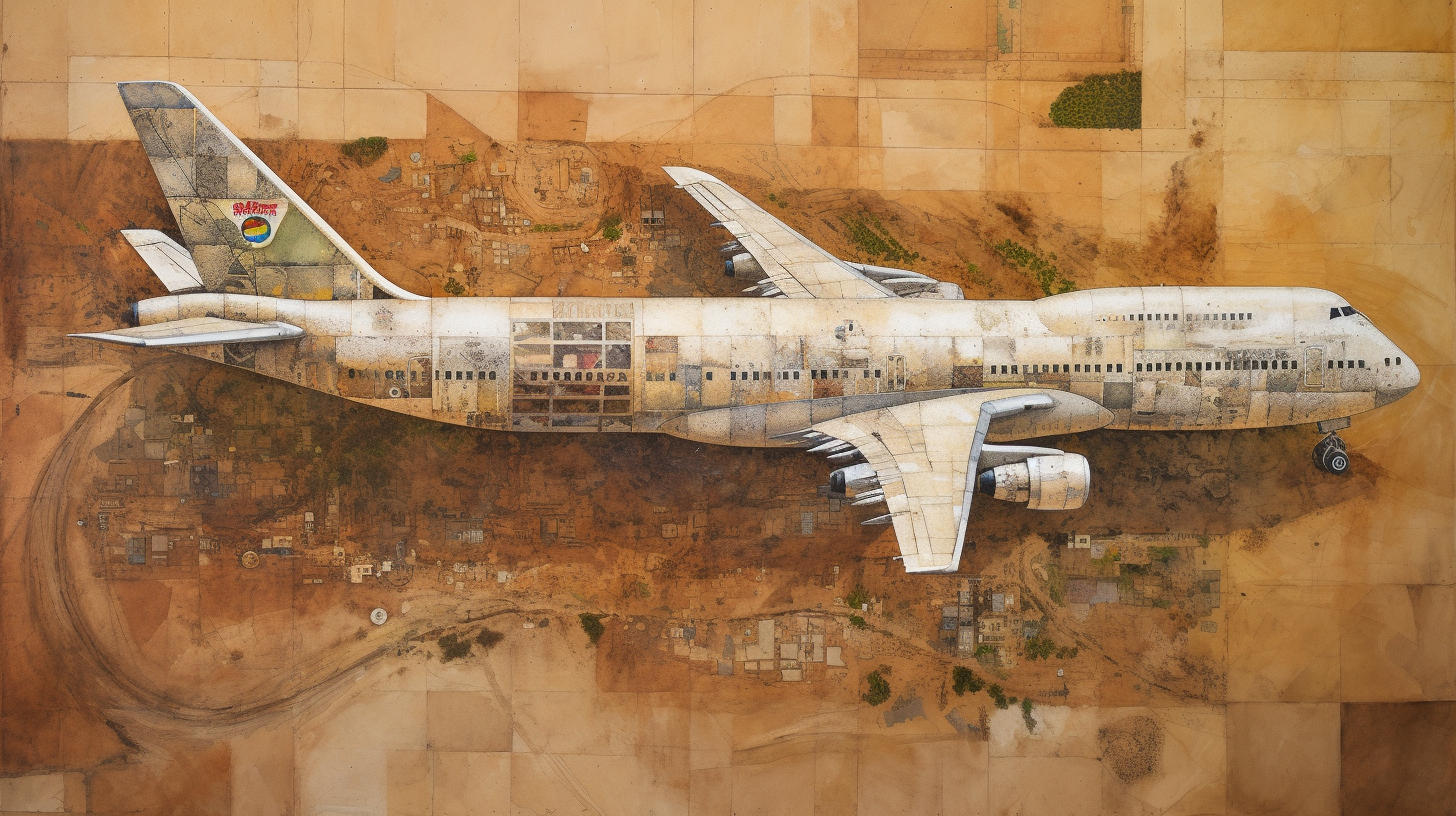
{"points": [[835, 121], [551, 116], [145, 605], [1396, 759], [191, 779]]}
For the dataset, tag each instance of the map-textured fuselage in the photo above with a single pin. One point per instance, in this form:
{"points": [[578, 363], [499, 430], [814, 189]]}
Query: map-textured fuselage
{"points": [[743, 370]]}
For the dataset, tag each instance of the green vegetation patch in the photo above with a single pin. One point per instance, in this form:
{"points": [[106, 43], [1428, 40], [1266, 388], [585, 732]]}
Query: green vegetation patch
{"points": [[857, 598], [874, 240], [454, 287], [468, 156], [964, 680], [879, 689], [998, 696], [611, 226], [1102, 101], [1164, 554], [1043, 272], [488, 638], [553, 227], [1026, 716], [365, 150], [857, 622], [592, 625], [1039, 648]]}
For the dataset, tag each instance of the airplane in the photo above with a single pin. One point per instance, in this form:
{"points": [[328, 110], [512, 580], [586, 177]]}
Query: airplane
{"points": [[920, 397]]}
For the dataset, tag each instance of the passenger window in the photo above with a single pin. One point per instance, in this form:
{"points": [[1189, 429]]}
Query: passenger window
{"points": [[835, 374], [437, 374], [796, 374], [1013, 371], [1330, 363], [755, 375], [1340, 364], [447, 375], [1362, 363], [1264, 365], [671, 377], [1397, 361], [389, 375], [492, 375], [1140, 318], [708, 375], [733, 375], [1119, 368], [1139, 366], [351, 371], [1175, 318], [1293, 364], [1099, 368], [866, 374], [1387, 362], [1198, 366]]}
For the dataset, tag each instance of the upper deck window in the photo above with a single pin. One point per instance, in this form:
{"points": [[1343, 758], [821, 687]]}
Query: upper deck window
{"points": [[1342, 311]]}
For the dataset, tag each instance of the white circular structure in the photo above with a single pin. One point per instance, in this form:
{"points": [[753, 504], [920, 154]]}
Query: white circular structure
{"points": [[378, 617]]}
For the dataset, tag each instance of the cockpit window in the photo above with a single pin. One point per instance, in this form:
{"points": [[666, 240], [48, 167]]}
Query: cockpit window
{"points": [[1342, 311]]}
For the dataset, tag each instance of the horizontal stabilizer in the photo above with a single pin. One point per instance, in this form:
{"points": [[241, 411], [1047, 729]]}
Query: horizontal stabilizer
{"points": [[171, 262], [197, 331]]}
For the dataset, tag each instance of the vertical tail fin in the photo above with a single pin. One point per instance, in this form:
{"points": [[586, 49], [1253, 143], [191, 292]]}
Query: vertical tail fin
{"points": [[248, 233]]}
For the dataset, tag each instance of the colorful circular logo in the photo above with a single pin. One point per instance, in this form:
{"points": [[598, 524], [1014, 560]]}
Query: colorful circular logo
{"points": [[256, 229]]}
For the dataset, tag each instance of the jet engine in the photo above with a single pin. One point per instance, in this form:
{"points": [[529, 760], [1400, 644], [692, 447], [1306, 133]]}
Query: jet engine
{"points": [[742, 265], [1059, 482]]}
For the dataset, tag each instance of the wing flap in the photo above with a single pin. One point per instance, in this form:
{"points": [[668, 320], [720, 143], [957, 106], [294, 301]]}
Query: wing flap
{"points": [[924, 456], [196, 331]]}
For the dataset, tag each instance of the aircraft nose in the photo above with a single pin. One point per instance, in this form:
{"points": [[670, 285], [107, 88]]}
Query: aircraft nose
{"points": [[1405, 375]]}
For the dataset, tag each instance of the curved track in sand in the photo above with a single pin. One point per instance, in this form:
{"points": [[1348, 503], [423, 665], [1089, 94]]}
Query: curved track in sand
{"points": [[115, 683]]}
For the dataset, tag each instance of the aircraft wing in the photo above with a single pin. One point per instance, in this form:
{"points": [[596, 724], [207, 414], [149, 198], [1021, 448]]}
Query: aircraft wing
{"points": [[794, 266], [197, 331], [925, 456]]}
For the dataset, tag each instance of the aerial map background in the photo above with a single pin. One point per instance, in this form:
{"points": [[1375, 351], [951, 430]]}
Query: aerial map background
{"points": [[1238, 632]]}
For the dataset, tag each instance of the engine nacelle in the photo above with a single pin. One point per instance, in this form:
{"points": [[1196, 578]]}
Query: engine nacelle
{"points": [[742, 265], [1059, 482]]}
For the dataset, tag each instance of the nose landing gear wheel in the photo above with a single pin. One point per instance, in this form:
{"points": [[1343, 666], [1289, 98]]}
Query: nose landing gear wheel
{"points": [[1330, 455]]}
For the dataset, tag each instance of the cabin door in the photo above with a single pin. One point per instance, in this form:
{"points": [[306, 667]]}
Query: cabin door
{"points": [[895, 375], [1314, 366], [419, 377]]}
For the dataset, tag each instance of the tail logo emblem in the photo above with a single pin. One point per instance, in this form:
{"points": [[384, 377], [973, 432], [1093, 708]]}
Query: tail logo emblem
{"points": [[256, 221], [256, 229]]}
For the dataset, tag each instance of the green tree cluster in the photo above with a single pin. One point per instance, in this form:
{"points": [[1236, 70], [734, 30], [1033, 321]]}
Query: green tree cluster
{"points": [[1102, 101], [879, 689], [365, 150], [592, 625], [964, 680], [454, 287]]}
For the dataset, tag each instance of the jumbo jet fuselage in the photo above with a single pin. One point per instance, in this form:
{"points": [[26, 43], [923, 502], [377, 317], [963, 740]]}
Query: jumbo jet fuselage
{"points": [[743, 371]]}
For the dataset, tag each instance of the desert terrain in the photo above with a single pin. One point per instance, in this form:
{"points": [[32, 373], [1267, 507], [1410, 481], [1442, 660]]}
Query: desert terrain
{"points": [[638, 624]]}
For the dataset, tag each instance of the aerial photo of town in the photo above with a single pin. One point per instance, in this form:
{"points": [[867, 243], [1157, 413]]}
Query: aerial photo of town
{"points": [[276, 537]]}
